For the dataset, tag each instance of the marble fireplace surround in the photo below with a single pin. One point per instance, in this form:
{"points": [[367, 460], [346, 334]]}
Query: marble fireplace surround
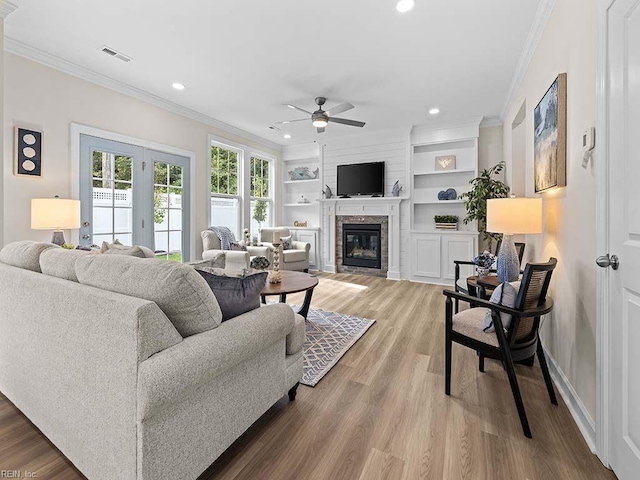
{"points": [[360, 210]]}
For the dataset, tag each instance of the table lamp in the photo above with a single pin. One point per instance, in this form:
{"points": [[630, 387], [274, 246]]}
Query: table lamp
{"points": [[55, 214], [512, 216]]}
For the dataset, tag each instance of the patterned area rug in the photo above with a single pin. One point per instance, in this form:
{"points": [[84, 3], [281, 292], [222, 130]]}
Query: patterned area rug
{"points": [[329, 336]]}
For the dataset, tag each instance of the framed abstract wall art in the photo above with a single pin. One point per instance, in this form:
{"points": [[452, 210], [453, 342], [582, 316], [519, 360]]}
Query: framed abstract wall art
{"points": [[550, 137]]}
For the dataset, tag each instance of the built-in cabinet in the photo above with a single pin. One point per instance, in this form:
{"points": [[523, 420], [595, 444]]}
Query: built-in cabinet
{"points": [[433, 170]]}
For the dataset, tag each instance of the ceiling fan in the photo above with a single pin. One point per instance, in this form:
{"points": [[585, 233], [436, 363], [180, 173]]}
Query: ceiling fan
{"points": [[320, 118]]}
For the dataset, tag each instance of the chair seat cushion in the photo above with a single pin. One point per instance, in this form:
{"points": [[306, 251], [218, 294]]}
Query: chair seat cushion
{"points": [[290, 256], [470, 324]]}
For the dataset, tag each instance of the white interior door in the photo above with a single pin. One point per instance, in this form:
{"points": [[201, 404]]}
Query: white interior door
{"points": [[624, 237]]}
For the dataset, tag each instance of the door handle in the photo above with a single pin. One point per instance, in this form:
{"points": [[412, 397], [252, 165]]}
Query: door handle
{"points": [[608, 261]]}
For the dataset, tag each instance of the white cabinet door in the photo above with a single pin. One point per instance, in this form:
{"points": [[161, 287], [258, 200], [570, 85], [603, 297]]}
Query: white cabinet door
{"points": [[425, 255], [457, 247]]}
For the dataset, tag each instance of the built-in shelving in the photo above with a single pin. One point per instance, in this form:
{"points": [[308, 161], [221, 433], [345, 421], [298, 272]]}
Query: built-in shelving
{"points": [[446, 172], [291, 182]]}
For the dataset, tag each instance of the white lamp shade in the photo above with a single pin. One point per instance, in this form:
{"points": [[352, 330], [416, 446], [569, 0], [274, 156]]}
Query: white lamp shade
{"points": [[514, 216], [55, 214]]}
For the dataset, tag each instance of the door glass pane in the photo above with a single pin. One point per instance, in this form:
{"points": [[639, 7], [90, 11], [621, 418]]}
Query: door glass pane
{"points": [[167, 219], [112, 216]]}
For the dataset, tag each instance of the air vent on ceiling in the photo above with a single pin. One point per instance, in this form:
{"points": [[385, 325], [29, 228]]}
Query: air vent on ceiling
{"points": [[273, 127], [113, 53]]}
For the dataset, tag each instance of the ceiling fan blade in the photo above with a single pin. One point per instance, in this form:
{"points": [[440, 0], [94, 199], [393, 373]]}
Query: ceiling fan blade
{"points": [[291, 121], [298, 108], [344, 121], [320, 129], [343, 107]]}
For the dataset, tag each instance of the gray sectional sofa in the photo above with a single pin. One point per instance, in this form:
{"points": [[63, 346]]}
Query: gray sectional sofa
{"points": [[124, 365]]}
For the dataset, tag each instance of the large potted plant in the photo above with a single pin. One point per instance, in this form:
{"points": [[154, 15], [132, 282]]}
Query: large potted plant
{"points": [[484, 188]]}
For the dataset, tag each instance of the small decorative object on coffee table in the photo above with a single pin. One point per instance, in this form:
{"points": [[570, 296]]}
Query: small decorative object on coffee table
{"points": [[274, 275], [484, 261]]}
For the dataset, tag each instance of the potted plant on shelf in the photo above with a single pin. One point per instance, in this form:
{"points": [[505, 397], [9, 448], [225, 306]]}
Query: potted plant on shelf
{"points": [[485, 187], [446, 222]]}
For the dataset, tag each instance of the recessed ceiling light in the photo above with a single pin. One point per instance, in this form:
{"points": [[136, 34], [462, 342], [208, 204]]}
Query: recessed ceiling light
{"points": [[287, 136], [404, 6], [177, 86], [434, 111]]}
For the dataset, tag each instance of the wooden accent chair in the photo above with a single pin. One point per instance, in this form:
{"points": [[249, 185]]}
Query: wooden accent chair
{"points": [[460, 285], [518, 343]]}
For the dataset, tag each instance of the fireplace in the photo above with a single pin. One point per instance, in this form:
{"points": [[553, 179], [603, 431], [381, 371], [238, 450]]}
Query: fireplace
{"points": [[362, 245]]}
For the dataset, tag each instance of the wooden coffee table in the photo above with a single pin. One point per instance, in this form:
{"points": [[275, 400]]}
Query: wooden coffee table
{"points": [[292, 282]]}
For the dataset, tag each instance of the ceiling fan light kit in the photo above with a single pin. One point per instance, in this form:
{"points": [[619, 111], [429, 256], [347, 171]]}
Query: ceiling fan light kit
{"points": [[321, 118]]}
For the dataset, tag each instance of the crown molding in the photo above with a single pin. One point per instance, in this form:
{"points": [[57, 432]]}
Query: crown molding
{"points": [[488, 122], [535, 34], [6, 8], [23, 50]]}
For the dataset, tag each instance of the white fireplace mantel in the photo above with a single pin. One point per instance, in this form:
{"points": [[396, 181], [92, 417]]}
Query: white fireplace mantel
{"points": [[366, 206]]}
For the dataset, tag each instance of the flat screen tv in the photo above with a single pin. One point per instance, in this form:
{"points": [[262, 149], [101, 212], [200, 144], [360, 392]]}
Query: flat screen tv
{"points": [[361, 179]]}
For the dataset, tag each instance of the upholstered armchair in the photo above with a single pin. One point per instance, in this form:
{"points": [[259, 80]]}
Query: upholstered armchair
{"points": [[295, 258], [234, 260]]}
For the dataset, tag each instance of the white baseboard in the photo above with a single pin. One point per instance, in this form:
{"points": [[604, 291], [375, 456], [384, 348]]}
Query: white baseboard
{"points": [[579, 412]]}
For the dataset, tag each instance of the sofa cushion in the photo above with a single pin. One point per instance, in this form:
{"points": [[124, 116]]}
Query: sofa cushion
{"points": [[61, 263], [25, 254], [236, 294], [177, 289], [290, 256]]}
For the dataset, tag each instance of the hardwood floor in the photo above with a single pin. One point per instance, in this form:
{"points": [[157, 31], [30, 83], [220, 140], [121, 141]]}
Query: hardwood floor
{"points": [[381, 413]]}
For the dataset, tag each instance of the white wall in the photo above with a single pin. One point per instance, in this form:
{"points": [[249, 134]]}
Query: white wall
{"points": [[2, 75], [568, 44], [489, 147], [392, 147], [46, 99]]}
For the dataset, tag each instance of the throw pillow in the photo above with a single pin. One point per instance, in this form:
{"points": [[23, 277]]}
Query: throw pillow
{"points": [[235, 294], [217, 261], [25, 254], [238, 247], [119, 249], [505, 294], [61, 263], [286, 242]]}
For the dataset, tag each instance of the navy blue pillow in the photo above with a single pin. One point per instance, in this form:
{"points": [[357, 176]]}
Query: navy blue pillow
{"points": [[235, 294]]}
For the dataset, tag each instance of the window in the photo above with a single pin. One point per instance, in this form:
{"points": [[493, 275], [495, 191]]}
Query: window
{"points": [[261, 201], [225, 197]]}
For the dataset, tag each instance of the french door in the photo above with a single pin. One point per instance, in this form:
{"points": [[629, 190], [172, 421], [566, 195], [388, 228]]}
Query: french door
{"points": [[135, 195]]}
